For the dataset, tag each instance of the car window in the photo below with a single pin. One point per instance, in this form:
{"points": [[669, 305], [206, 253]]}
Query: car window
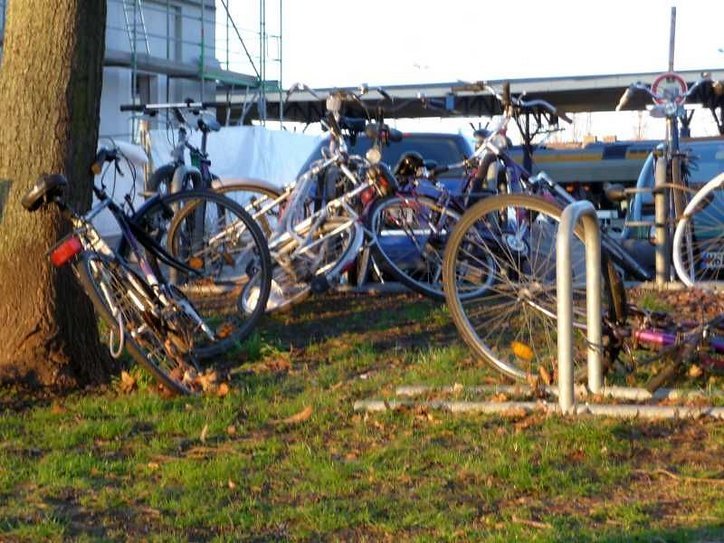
{"points": [[441, 148]]}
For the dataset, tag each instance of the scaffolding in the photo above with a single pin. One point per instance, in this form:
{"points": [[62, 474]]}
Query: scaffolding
{"points": [[202, 43]]}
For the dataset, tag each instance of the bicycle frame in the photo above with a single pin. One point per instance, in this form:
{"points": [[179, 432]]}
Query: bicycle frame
{"points": [[137, 240]]}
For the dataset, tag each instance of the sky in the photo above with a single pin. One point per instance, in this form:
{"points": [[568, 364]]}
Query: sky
{"points": [[328, 43]]}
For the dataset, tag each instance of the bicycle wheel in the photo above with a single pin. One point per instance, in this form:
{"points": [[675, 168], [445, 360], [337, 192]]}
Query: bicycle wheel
{"points": [[698, 245], [409, 237], [226, 249], [327, 252], [259, 200], [154, 341], [512, 326]]}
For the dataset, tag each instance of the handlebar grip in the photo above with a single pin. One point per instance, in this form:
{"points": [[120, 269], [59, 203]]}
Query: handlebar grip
{"points": [[225, 103], [103, 155], [133, 107], [625, 97], [564, 117]]}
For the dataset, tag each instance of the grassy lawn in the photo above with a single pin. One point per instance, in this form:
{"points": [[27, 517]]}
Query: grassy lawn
{"points": [[284, 457]]}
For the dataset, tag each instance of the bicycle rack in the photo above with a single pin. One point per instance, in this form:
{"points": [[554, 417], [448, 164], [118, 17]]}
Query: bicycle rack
{"points": [[566, 392], [585, 212]]}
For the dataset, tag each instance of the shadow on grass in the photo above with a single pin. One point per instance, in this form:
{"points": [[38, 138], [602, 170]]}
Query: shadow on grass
{"points": [[402, 319], [706, 534]]}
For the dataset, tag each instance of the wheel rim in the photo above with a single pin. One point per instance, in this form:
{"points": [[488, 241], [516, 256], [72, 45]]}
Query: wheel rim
{"points": [[513, 326]]}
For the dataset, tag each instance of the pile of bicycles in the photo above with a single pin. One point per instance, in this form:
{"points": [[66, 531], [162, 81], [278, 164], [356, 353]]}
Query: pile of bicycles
{"points": [[203, 259], [507, 241]]}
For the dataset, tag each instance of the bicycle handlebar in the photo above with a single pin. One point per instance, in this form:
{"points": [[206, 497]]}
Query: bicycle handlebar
{"points": [[661, 96], [506, 99], [188, 104]]}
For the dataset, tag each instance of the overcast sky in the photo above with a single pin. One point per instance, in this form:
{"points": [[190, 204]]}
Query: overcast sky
{"points": [[329, 43]]}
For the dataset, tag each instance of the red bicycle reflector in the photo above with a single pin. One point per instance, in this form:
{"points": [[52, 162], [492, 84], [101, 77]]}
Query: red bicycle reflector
{"points": [[65, 250]]}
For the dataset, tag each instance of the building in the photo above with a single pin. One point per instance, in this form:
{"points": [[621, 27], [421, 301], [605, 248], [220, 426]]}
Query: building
{"points": [[172, 50]]}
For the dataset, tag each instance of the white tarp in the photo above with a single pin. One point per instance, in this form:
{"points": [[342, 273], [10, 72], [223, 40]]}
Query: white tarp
{"points": [[246, 151], [235, 152]]}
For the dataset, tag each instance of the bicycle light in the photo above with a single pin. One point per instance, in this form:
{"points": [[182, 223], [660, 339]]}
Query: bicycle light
{"points": [[65, 250]]}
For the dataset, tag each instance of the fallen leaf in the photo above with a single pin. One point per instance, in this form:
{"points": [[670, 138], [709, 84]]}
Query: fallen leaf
{"points": [[303, 415], [223, 390], [232, 484], [695, 371], [207, 380], [204, 432], [545, 375], [153, 465], [128, 382], [57, 409], [231, 430]]}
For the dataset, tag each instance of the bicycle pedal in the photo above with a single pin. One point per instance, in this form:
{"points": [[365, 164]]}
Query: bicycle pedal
{"points": [[320, 284]]}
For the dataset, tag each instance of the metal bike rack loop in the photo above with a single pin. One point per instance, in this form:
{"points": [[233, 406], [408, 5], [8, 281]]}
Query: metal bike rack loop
{"points": [[585, 212], [566, 392]]}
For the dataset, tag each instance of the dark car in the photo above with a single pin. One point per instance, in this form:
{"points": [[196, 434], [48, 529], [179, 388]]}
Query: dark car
{"points": [[438, 147]]}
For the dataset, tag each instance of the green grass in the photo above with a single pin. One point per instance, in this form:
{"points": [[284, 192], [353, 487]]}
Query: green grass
{"points": [[113, 466]]}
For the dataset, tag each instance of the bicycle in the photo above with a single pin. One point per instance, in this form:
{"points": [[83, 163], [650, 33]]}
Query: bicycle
{"points": [[672, 190], [321, 229], [177, 175], [508, 242], [698, 240], [163, 329], [424, 211]]}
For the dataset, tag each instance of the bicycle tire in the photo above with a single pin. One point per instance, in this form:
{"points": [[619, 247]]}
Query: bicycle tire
{"points": [[512, 326], [698, 243], [409, 234], [295, 272], [223, 243], [102, 277], [257, 200]]}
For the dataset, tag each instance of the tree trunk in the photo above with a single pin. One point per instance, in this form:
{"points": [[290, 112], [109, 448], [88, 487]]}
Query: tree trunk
{"points": [[50, 85]]}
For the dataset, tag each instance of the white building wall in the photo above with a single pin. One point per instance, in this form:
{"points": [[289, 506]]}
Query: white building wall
{"points": [[170, 31]]}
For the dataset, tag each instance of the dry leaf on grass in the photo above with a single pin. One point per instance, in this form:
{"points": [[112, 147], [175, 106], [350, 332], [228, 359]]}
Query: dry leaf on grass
{"points": [[545, 375], [208, 380], [128, 382], [204, 433], [223, 390], [302, 416]]}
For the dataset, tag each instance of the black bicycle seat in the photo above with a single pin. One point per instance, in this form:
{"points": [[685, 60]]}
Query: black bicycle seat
{"points": [[353, 124], [47, 188], [208, 124]]}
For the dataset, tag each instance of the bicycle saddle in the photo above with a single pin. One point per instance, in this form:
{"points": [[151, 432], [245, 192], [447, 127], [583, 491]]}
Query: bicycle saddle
{"points": [[615, 192], [47, 188], [207, 123], [409, 164], [354, 124]]}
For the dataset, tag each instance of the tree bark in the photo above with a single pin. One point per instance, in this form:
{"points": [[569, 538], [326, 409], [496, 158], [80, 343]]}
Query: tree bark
{"points": [[50, 85]]}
